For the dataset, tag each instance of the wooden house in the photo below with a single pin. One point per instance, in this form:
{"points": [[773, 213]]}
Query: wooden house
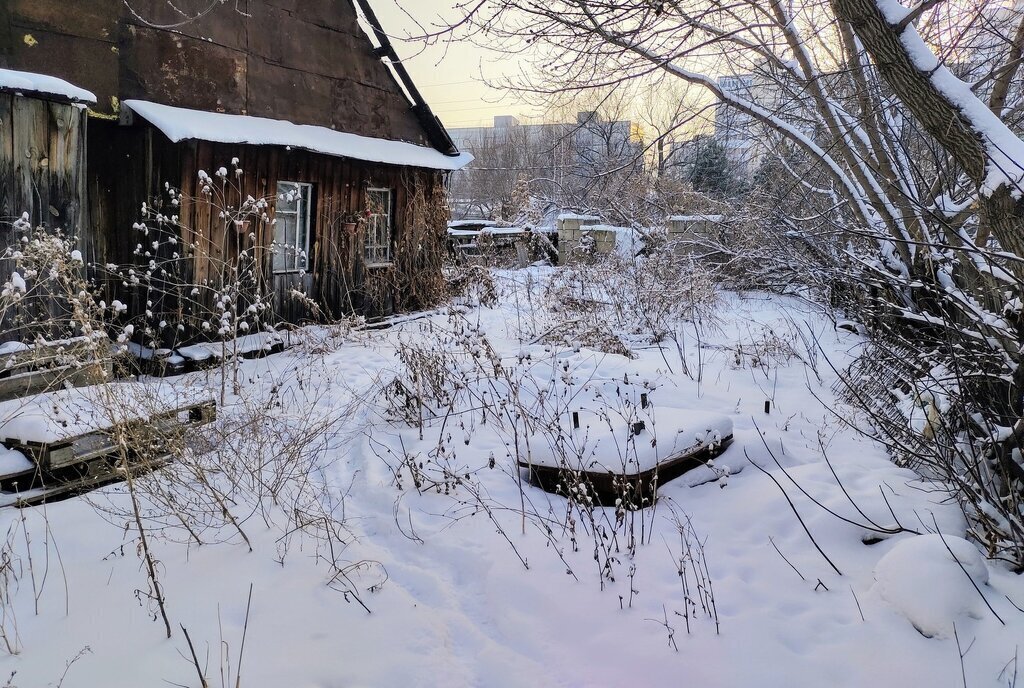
{"points": [[191, 108]]}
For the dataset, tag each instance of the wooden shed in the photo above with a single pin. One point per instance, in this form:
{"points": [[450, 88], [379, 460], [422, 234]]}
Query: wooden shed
{"points": [[304, 109], [42, 162]]}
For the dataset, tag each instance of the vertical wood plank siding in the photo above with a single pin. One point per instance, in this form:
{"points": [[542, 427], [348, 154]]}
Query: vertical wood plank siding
{"points": [[336, 280], [42, 163]]}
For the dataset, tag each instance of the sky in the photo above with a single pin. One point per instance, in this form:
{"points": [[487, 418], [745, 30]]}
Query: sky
{"points": [[451, 78]]}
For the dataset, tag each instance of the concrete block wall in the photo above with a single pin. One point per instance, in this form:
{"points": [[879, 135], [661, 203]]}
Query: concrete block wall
{"points": [[571, 229]]}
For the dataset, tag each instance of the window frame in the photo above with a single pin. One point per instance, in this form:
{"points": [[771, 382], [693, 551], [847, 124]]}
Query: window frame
{"points": [[303, 215], [372, 249]]}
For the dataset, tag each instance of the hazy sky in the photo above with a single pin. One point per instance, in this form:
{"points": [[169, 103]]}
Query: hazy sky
{"points": [[450, 79]]}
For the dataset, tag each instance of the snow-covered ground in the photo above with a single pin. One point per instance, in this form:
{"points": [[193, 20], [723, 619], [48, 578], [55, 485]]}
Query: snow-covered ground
{"points": [[461, 589]]}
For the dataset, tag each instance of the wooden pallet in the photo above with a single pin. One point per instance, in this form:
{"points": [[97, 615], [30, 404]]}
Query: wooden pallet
{"points": [[78, 464], [53, 456], [37, 489], [44, 367], [634, 488]]}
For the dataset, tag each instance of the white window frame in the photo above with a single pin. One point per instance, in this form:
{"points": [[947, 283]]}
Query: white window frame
{"points": [[298, 260], [378, 246]]}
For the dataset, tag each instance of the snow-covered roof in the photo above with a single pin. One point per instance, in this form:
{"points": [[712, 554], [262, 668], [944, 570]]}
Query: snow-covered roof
{"points": [[696, 218], [581, 218], [472, 223], [180, 124], [24, 83]]}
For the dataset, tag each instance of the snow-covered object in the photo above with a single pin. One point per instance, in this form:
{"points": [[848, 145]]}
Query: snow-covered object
{"points": [[696, 218], [67, 413], [13, 461], [40, 84], [259, 341], [578, 218], [180, 124], [628, 241], [13, 347], [472, 223], [924, 583], [609, 441]]}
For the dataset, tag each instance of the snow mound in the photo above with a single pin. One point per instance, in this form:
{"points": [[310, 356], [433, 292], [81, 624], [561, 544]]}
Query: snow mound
{"points": [[920, 579], [67, 413], [13, 461]]}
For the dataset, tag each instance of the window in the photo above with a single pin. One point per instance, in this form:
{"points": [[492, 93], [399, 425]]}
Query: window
{"points": [[291, 226], [379, 203]]}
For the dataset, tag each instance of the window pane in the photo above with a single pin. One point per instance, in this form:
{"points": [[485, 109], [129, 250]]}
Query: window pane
{"points": [[287, 196], [293, 215], [284, 242], [378, 230]]}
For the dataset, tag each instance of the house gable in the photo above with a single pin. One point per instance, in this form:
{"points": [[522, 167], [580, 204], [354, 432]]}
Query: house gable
{"points": [[308, 61]]}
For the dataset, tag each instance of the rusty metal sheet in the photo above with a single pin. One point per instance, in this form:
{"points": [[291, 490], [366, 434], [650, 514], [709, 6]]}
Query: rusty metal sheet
{"points": [[182, 71], [223, 24], [95, 19], [91, 64], [274, 92]]}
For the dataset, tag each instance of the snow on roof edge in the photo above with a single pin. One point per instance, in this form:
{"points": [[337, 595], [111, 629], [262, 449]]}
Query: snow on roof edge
{"points": [[696, 218], [180, 124], [42, 84], [574, 216]]}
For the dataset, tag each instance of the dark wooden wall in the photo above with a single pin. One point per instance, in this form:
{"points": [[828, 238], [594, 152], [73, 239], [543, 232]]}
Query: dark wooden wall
{"points": [[42, 173], [42, 161], [305, 61], [131, 165]]}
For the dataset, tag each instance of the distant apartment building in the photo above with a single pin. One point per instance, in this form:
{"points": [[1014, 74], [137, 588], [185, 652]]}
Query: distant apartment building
{"points": [[736, 131], [559, 161]]}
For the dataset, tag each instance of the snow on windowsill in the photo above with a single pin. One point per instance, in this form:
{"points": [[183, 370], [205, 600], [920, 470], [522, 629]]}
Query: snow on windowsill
{"points": [[181, 124]]}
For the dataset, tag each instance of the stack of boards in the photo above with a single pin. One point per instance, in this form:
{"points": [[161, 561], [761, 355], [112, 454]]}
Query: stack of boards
{"points": [[62, 434]]}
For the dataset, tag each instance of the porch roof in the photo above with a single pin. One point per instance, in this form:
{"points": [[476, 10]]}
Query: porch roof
{"points": [[43, 86], [180, 124]]}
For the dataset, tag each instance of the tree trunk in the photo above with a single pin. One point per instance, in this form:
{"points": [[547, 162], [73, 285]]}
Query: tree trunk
{"points": [[999, 212]]}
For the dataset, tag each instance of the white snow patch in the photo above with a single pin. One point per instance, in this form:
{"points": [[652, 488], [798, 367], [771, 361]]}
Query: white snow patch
{"points": [[13, 461], [13, 347], [472, 223], [696, 218], [923, 582]]}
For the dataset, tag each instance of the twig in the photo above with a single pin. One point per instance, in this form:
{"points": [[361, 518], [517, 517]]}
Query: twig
{"points": [[195, 659], [795, 512]]}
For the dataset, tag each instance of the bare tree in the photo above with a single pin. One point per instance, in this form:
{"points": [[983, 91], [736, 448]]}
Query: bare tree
{"points": [[907, 181]]}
